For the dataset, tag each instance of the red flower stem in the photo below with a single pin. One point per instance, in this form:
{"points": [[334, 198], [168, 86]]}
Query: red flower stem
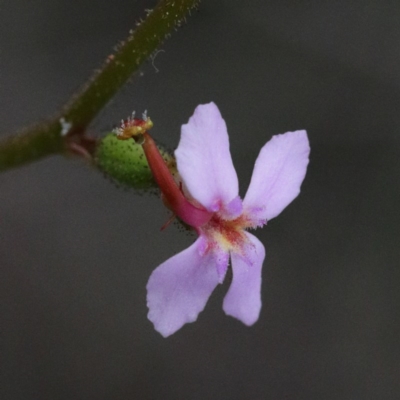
{"points": [[179, 204]]}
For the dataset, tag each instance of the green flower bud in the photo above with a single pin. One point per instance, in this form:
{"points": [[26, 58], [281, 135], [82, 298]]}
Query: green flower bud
{"points": [[125, 163]]}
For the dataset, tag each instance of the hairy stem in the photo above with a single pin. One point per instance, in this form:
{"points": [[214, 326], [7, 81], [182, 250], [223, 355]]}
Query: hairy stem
{"points": [[46, 139]]}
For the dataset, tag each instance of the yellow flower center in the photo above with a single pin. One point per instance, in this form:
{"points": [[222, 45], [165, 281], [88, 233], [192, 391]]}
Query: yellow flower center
{"points": [[229, 235]]}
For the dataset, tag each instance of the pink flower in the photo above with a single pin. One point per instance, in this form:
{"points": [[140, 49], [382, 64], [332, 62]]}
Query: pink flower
{"points": [[179, 288]]}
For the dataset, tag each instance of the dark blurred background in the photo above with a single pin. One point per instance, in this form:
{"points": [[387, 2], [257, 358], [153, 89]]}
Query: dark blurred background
{"points": [[76, 252]]}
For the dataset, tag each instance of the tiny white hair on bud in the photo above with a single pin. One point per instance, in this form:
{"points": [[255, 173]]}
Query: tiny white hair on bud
{"points": [[133, 114], [65, 126], [118, 131], [144, 115]]}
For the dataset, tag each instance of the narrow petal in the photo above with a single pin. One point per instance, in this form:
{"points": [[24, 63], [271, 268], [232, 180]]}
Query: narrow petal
{"points": [[179, 288], [243, 300], [278, 173], [204, 160]]}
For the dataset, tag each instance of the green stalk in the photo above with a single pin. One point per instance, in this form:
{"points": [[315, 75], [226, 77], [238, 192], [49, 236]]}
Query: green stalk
{"points": [[47, 139]]}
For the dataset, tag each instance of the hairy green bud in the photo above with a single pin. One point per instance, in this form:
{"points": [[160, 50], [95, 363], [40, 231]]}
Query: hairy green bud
{"points": [[125, 162]]}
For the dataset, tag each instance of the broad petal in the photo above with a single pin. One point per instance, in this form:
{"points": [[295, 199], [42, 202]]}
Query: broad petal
{"points": [[243, 300], [204, 160], [179, 288], [278, 173]]}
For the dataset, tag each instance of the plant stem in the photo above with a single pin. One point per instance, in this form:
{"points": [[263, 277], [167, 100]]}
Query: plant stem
{"points": [[46, 139], [31, 144]]}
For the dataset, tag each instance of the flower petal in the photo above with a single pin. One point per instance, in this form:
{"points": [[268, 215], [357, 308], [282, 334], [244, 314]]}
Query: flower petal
{"points": [[179, 288], [278, 173], [232, 210], [204, 160], [243, 300]]}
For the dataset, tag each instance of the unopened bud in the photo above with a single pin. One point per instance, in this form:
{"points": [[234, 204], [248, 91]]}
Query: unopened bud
{"points": [[124, 161]]}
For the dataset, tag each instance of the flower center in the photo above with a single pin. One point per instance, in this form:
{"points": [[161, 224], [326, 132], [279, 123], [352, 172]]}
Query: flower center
{"points": [[227, 234]]}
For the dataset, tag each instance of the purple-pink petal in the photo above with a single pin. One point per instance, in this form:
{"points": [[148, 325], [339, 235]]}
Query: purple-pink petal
{"points": [[278, 173], [243, 300], [179, 288], [232, 210], [204, 160]]}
